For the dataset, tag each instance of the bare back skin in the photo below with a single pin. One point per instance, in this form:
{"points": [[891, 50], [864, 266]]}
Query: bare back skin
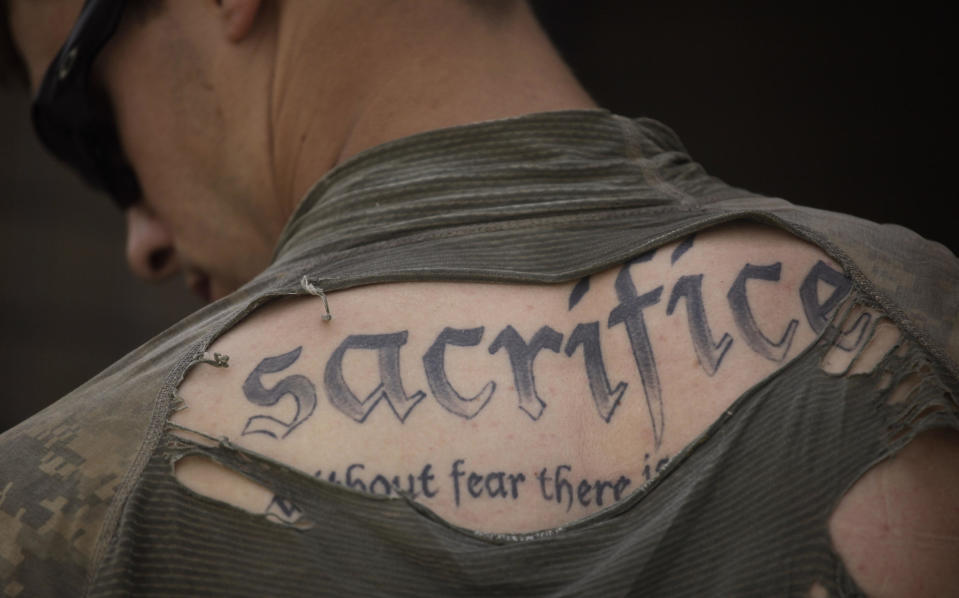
{"points": [[517, 408], [508, 408]]}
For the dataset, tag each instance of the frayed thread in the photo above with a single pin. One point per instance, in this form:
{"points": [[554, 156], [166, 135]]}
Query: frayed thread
{"points": [[312, 289], [219, 360]]}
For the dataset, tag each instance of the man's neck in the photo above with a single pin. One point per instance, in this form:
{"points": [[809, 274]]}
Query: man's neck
{"points": [[429, 67]]}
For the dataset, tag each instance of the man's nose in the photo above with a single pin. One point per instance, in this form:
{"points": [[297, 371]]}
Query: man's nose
{"points": [[150, 250]]}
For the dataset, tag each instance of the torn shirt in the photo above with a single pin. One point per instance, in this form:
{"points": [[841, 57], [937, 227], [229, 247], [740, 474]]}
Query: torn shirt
{"points": [[89, 503]]}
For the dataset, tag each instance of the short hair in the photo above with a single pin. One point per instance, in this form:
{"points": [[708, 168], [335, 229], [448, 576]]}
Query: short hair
{"points": [[13, 70]]}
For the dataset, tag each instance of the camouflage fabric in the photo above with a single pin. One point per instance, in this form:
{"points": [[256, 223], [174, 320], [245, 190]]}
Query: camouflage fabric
{"points": [[89, 505]]}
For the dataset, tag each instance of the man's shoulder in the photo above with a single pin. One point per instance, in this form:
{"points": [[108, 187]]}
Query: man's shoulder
{"points": [[915, 277]]}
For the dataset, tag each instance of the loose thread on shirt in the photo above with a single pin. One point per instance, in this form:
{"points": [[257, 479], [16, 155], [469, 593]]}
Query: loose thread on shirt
{"points": [[219, 360], [178, 403], [222, 441], [312, 289]]}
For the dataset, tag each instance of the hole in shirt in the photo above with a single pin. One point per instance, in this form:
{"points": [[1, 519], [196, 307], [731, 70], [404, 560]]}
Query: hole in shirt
{"points": [[213, 480], [817, 590], [908, 385], [904, 389], [904, 430], [885, 380], [884, 338], [864, 339], [194, 437], [508, 467]]}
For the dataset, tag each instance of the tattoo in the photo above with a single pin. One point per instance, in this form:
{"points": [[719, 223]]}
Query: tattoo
{"points": [[817, 314], [434, 362], [682, 248], [554, 484], [521, 356], [647, 473], [559, 488], [709, 354], [578, 292], [284, 510], [390, 387], [605, 397], [418, 485], [861, 325], [743, 315], [630, 312], [299, 388], [478, 485]]}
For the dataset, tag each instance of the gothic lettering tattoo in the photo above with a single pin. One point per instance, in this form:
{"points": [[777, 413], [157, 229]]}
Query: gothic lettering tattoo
{"points": [[743, 315], [606, 397], [521, 356], [298, 388], [850, 339], [578, 292], [709, 354], [434, 362], [817, 314], [390, 387], [630, 312], [681, 249], [495, 484]]}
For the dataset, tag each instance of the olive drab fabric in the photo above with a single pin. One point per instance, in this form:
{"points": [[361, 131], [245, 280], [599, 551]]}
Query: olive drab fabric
{"points": [[89, 504]]}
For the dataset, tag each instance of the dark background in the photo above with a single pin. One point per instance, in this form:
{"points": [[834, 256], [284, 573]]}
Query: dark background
{"points": [[824, 106]]}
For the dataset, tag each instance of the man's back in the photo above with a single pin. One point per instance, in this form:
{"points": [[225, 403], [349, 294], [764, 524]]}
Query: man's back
{"points": [[761, 381], [509, 408]]}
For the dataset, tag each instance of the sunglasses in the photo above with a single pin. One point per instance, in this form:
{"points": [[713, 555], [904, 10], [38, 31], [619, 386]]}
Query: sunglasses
{"points": [[72, 119]]}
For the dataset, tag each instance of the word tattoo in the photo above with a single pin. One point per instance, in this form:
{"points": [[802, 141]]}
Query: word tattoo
{"points": [[709, 354], [817, 314], [559, 488], [739, 303], [299, 388], [521, 356], [684, 246], [464, 485], [579, 291], [434, 362], [630, 313], [390, 387], [634, 300], [605, 397]]}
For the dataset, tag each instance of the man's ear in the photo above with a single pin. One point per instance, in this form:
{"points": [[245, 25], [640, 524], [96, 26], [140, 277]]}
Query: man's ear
{"points": [[238, 17]]}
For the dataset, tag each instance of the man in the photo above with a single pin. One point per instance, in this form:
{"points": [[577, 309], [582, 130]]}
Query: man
{"points": [[678, 408]]}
